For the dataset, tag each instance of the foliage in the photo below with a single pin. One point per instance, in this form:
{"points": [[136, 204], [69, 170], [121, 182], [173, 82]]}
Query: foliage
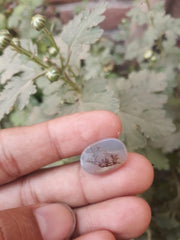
{"points": [[135, 77]]}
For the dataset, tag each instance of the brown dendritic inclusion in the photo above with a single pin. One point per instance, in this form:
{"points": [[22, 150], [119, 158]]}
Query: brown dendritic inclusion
{"points": [[103, 156], [107, 161]]}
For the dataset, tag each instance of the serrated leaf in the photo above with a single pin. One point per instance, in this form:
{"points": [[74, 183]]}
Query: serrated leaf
{"points": [[18, 89], [12, 63], [81, 32], [96, 62], [95, 96], [166, 222], [172, 142], [16, 16], [163, 25], [138, 15], [141, 109], [21, 16], [18, 118], [37, 116], [9, 65], [157, 158]]}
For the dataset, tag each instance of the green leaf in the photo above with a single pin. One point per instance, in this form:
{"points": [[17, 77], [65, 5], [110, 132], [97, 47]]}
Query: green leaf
{"points": [[172, 142], [138, 15], [36, 115], [163, 25], [35, 3], [18, 89], [12, 63], [81, 32], [21, 19], [18, 118], [157, 158], [95, 96], [164, 221], [141, 15], [141, 109], [16, 16], [96, 63], [54, 95]]}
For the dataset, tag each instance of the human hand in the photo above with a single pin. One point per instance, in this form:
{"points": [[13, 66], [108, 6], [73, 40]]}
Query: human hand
{"points": [[31, 200]]}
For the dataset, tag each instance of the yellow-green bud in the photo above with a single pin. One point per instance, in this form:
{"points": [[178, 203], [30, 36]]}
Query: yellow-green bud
{"points": [[53, 74], [123, 21], [153, 58], [16, 42], [148, 54], [38, 22], [5, 39], [53, 51]]}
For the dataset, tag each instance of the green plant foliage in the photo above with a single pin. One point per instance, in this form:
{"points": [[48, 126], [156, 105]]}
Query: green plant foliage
{"points": [[95, 95], [21, 17], [81, 32], [134, 74], [20, 88], [11, 64], [141, 109]]}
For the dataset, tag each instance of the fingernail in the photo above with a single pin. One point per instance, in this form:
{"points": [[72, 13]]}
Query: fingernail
{"points": [[56, 221]]}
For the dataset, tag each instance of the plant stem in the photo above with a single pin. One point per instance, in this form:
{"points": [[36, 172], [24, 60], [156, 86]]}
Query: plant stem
{"points": [[149, 9], [28, 54], [51, 38], [37, 60], [148, 4], [72, 72], [73, 85], [149, 235], [38, 76]]}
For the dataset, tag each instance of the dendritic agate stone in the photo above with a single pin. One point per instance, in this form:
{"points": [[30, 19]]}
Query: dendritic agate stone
{"points": [[103, 156]]}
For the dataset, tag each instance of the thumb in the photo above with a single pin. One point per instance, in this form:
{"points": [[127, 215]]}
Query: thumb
{"points": [[37, 222]]}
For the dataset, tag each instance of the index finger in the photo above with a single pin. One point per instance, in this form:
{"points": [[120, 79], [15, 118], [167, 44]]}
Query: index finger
{"points": [[26, 149]]}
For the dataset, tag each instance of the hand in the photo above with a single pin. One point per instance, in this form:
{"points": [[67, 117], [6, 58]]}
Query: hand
{"points": [[33, 202]]}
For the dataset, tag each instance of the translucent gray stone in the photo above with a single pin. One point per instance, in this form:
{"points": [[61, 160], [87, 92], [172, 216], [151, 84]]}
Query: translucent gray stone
{"points": [[103, 156]]}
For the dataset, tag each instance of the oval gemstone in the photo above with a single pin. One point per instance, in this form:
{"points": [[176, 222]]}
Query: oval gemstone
{"points": [[103, 156]]}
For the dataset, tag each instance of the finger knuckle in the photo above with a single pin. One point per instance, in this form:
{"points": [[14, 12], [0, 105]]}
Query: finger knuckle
{"points": [[8, 163]]}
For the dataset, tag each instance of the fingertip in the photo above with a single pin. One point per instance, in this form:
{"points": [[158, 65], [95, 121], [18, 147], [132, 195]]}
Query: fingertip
{"points": [[114, 121], [55, 221], [106, 123], [97, 235], [95, 125], [125, 217], [139, 220], [143, 170]]}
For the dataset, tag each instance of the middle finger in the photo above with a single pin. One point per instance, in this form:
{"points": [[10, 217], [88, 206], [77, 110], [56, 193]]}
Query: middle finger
{"points": [[74, 186]]}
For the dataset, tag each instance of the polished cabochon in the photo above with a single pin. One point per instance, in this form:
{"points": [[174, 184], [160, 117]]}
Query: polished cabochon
{"points": [[103, 156]]}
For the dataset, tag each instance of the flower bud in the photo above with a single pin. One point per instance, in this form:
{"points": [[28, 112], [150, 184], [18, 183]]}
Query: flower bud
{"points": [[16, 42], [148, 54], [153, 58], [53, 51], [124, 21], [5, 39], [53, 74], [38, 22]]}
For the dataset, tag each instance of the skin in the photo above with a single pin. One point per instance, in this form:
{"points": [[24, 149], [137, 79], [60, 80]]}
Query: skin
{"points": [[66, 202]]}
